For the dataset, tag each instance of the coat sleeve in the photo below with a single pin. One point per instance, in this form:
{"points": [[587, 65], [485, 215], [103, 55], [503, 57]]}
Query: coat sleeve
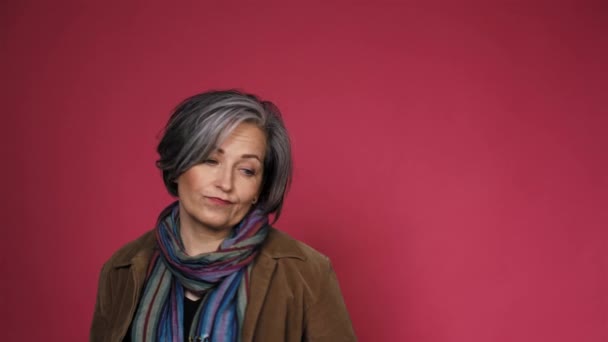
{"points": [[99, 326], [327, 319]]}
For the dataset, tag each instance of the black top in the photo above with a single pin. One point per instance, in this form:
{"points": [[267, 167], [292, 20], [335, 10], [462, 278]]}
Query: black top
{"points": [[190, 307]]}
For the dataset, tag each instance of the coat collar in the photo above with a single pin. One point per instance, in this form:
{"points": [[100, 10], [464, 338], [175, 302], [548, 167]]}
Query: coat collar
{"points": [[136, 252], [280, 245]]}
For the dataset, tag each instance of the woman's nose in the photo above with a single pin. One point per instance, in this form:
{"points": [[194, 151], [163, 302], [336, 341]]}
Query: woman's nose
{"points": [[224, 179]]}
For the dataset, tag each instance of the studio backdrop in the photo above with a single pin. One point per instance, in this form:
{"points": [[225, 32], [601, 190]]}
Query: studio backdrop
{"points": [[449, 159]]}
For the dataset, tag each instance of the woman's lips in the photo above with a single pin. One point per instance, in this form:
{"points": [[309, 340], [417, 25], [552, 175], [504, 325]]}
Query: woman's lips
{"points": [[218, 201]]}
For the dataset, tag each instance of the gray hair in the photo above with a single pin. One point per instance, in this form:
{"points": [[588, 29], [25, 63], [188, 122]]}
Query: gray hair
{"points": [[201, 122]]}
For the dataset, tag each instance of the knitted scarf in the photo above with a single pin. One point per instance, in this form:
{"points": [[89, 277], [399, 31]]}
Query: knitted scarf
{"points": [[221, 277]]}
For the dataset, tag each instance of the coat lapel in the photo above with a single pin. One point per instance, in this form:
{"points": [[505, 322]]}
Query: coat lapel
{"points": [[277, 245], [131, 284], [260, 279]]}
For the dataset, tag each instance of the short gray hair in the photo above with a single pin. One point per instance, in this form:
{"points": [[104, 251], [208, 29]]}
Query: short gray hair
{"points": [[201, 122]]}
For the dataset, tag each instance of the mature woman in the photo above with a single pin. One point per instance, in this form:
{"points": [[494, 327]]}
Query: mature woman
{"points": [[213, 269]]}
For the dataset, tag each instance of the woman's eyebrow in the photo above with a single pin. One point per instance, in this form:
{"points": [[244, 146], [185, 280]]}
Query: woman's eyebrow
{"points": [[254, 156], [244, 156]]}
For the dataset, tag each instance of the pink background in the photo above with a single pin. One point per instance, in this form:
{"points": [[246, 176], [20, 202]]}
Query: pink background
{"points": [[451, 160]]}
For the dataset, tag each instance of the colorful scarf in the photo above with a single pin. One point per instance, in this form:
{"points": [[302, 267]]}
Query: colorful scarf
{"points": [[220, 277]]}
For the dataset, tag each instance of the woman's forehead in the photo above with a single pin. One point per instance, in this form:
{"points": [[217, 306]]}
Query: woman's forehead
{"points": [[246, 139]]}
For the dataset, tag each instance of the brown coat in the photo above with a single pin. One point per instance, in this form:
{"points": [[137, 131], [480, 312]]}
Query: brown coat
{"points": [[294, 294]]}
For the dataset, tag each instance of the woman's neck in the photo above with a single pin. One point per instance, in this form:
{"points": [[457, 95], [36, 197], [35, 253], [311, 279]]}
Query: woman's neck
{"points": [[199, 239]]}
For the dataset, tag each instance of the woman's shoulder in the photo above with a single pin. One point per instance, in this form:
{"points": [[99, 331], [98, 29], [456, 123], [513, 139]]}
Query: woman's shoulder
{"points": [[280, 245], [143, 246]]}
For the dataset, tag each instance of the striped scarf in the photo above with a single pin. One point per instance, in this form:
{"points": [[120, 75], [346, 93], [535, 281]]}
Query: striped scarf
{"points": [[221, 277]]}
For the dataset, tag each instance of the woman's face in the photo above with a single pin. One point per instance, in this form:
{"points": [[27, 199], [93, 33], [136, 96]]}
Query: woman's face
{"points": [[219, 192]]}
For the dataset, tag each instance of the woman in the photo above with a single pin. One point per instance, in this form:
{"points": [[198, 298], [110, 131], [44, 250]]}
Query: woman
{"points": [[213, 269]]}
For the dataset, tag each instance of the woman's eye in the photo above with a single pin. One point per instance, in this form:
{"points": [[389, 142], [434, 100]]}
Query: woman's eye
{"points": [[248, 172], [210, 161]]}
